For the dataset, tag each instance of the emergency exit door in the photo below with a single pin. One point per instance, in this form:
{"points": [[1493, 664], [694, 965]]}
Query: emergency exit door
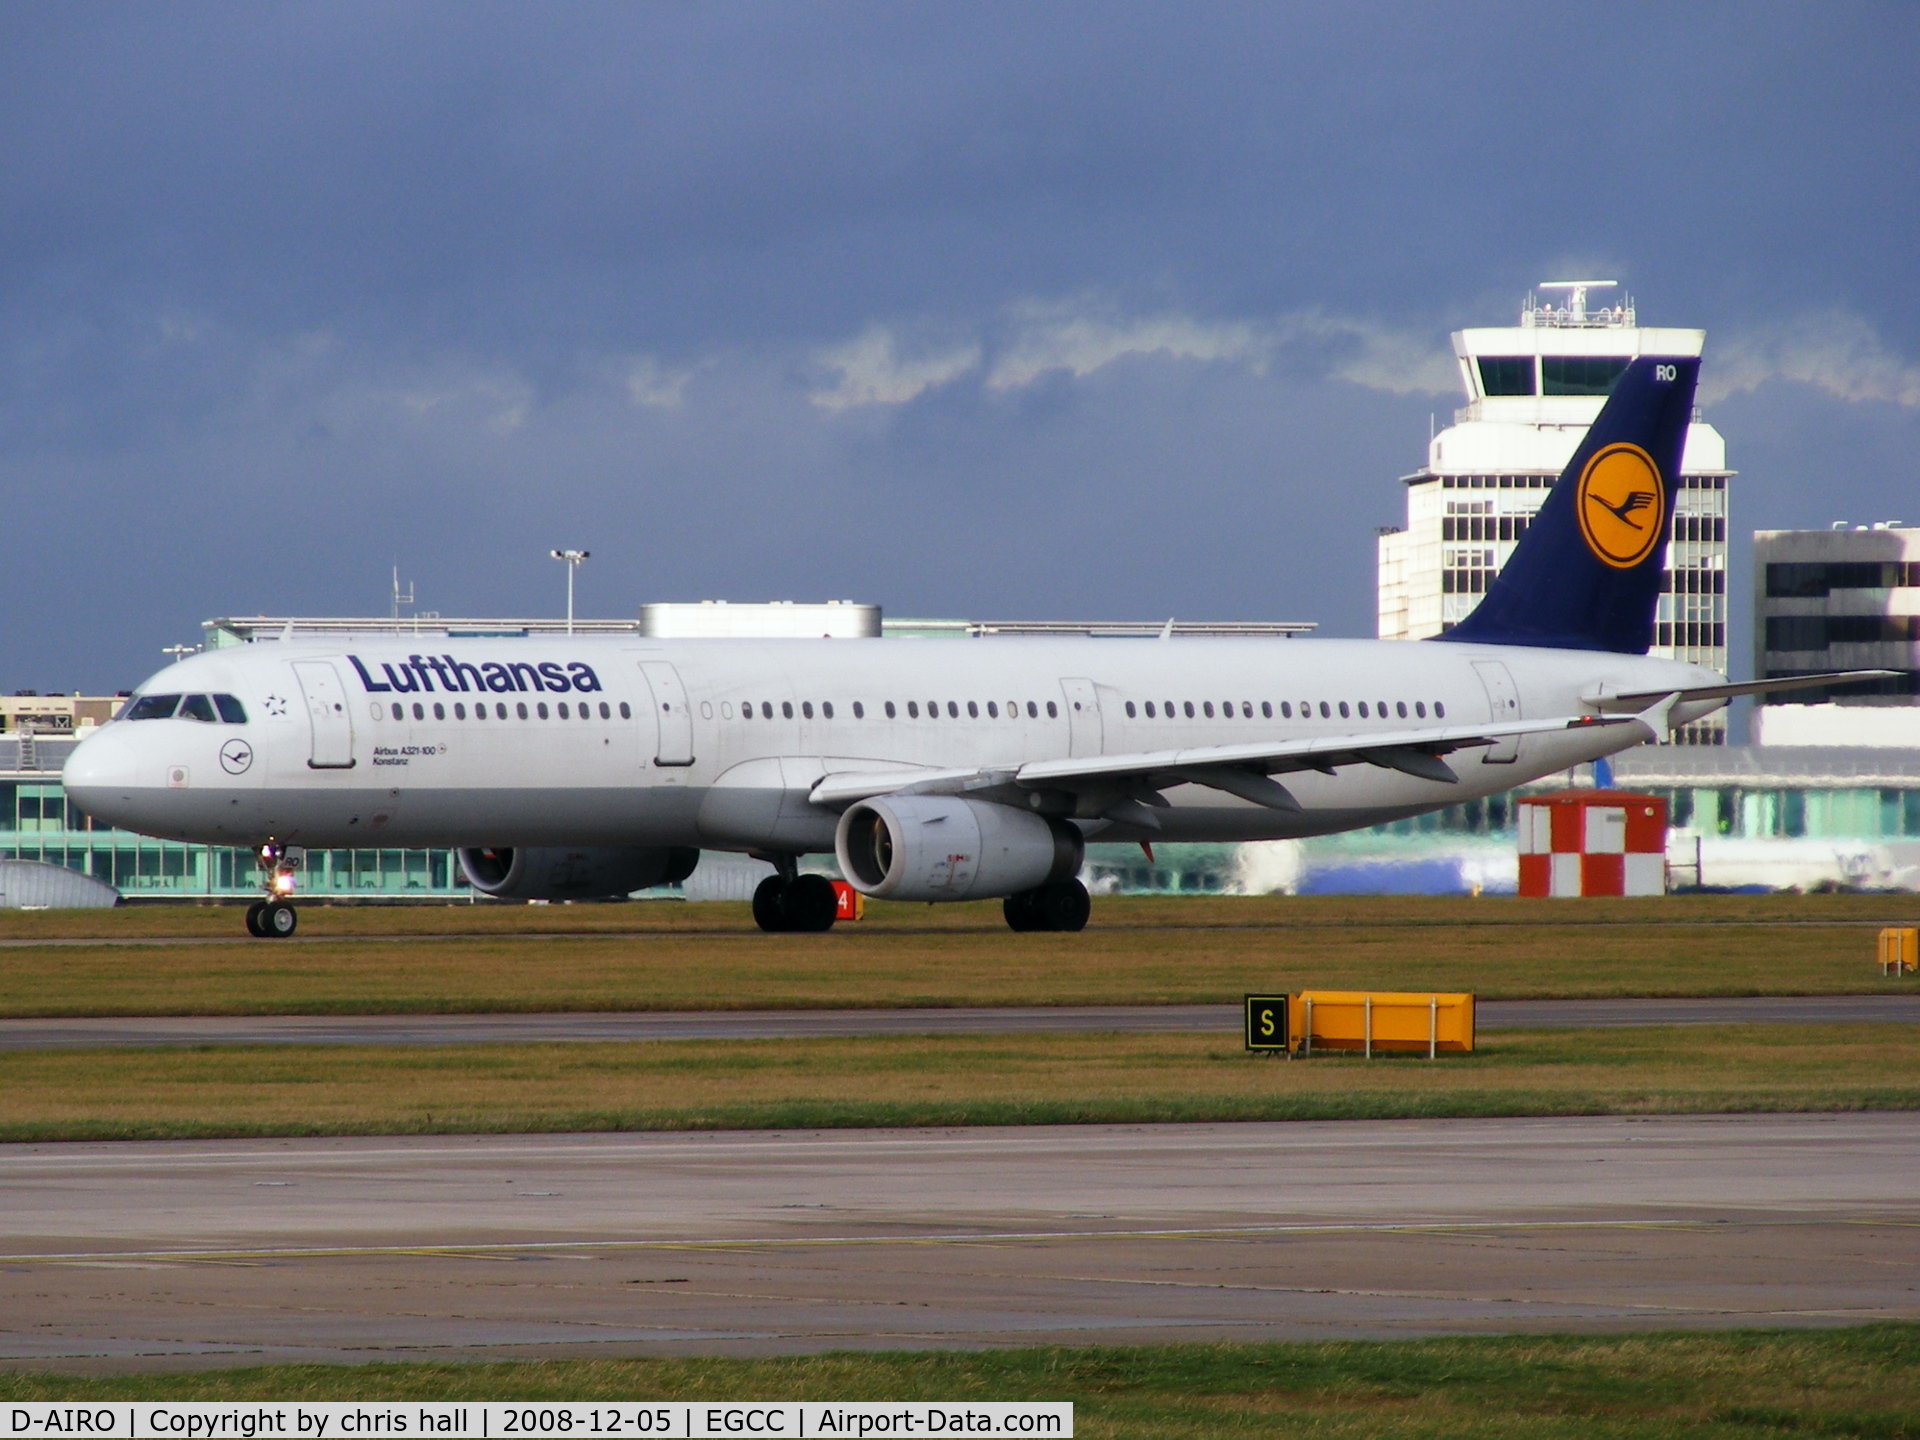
{"points": [[1085, 733], [674, 719], [327, 708]]}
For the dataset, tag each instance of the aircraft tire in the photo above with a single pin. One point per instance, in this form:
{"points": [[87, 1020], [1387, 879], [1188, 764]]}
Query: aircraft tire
{"points": [[1063, 906], [1019, 910], [278, 920], [770, 905], [811, 905], [253, 920]]}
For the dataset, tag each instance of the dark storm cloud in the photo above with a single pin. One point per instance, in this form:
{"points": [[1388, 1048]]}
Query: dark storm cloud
{"points": [[1111, 310]]}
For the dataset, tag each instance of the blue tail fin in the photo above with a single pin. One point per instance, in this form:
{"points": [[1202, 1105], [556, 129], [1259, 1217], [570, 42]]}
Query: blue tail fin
{"points": [[1586, 575]]}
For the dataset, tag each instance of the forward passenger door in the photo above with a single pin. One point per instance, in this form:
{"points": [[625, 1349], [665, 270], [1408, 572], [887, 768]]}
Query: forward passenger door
{"points": [[327, 707]]}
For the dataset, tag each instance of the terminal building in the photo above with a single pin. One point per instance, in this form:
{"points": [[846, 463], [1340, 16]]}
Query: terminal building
{"points": [[1845, 598], [1532, 391]]}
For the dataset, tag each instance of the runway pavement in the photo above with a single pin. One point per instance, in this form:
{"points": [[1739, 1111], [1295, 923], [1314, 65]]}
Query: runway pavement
{"points": [[61, 1034], [192, 1254]]}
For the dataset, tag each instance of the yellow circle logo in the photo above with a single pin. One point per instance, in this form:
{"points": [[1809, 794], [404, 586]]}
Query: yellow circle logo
{"points": [[1621, 503]]}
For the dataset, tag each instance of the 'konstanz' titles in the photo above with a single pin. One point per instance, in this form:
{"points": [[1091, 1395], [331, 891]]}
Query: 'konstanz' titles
{"points": [[417, 672]]}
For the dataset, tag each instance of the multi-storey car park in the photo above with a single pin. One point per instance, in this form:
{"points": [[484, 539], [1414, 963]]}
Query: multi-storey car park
{"points": [[1533, 390]]}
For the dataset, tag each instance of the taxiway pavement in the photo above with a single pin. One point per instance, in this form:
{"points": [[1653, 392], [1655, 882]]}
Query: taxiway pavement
{"points": [[146, 1255]]}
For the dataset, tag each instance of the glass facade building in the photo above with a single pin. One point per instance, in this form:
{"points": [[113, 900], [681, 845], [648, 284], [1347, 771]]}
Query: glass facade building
{"points": [[37, 823]]}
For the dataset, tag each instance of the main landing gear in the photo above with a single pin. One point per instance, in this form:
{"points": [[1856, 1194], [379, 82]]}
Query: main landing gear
{"points": [[791, 902], [274, 918], [1063, 905]]}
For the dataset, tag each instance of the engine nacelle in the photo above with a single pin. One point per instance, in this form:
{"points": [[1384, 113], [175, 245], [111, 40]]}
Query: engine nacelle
{"points": [[937, 847], [574, 874]]}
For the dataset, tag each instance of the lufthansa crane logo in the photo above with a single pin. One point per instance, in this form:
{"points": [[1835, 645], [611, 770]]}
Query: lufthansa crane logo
{"points": [[1621, 503]]}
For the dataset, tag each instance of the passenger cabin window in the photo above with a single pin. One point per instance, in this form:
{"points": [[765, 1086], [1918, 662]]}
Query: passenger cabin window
{"points": [[859, 711], [626, 711], [153, 707], [890, 712], [913, 709], [197, 707], [439, 711], [1053, 711], [1130, 710]]}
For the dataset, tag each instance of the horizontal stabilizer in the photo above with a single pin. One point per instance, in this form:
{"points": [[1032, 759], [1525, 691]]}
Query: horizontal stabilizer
{"points": [[1638, 700]]}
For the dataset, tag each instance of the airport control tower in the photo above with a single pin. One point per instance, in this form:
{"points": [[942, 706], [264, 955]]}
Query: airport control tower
{"points": [[1532, 391]]}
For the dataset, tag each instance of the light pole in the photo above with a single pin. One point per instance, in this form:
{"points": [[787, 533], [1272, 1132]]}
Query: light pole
{"points": [[572, 559], [180, 652]]}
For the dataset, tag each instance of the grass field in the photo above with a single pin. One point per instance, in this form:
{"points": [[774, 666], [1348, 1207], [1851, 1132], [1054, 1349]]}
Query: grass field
{"points": [[948, 1080], [1854, 1382], [669, 956]]}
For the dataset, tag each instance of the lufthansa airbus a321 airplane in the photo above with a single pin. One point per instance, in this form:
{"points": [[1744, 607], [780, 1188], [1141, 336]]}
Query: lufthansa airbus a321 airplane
{"points": [[593, 767]]}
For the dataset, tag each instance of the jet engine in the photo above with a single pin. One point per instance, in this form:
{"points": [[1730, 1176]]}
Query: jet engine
{"points": [[937, 847], [569, 874]]}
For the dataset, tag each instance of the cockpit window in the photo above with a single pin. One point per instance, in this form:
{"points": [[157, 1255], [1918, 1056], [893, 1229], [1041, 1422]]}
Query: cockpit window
{"points": [[197, 707], [231, 710], [152, 707]]}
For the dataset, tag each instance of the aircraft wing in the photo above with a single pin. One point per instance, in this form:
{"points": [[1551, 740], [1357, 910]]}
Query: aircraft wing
{"points": [[1131, 783]]}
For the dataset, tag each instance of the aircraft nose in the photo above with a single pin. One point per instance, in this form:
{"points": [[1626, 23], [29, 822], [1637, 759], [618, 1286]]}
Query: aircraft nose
{"points": [[100, 768]]}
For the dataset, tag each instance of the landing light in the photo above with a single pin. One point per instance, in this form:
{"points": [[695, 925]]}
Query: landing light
{"points": [[283, 884]]}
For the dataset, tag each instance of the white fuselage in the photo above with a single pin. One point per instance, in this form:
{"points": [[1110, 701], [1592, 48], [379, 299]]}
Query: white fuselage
{"points": [[632, 742]]}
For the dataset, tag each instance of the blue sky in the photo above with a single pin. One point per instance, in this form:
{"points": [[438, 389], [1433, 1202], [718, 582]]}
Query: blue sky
{"points": [[1063, 310]]}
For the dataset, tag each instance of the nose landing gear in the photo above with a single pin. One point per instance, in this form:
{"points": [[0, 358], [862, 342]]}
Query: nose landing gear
{"points": [[274, 918]]}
